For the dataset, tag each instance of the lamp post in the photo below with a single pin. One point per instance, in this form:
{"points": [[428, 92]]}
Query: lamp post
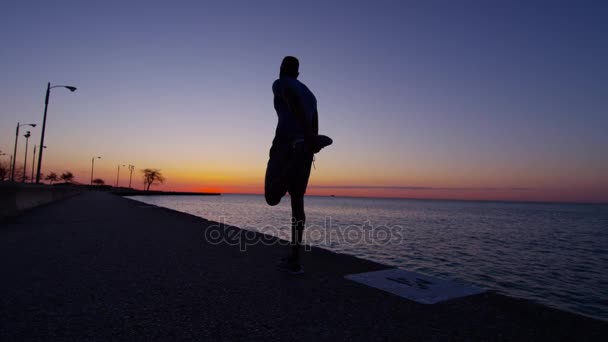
{"points": [[34, 159], [3, 154], [118, 174], [93, 166], [15, 151], [10, 163], [46, 105], [27, 140], [131, 168]]}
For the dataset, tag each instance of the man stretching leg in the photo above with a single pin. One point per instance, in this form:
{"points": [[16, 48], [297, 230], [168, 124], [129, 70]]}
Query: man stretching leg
{"points": [[296, 141]]}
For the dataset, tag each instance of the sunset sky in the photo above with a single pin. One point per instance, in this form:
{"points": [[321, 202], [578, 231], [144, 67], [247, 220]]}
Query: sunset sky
{"points": [[427, 99]]}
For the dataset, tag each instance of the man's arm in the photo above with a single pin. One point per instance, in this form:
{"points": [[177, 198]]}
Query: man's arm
{"points": [[292, 100]]}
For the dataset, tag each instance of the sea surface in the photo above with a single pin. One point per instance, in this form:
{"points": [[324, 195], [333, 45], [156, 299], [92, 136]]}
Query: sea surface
{"points": [[555, 254]]}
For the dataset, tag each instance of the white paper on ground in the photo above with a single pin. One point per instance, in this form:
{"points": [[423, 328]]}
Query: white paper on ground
{"points": [[414, 286]]}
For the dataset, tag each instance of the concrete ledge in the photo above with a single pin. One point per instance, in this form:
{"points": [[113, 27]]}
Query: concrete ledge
{"points": [[16, 198]]}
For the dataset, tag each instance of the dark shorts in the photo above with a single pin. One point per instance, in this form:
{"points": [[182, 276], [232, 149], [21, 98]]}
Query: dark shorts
{"points": [[288, 170]]}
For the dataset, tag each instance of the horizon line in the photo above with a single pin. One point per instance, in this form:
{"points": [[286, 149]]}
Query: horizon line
{"points": [[440, 199], [406, 187]]}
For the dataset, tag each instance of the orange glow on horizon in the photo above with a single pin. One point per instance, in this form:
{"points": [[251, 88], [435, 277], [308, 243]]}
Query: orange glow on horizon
{"points": [[327, 180], [522, 195]]}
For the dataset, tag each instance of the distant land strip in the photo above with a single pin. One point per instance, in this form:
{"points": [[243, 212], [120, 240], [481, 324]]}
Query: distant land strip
{"points": [[430, 188], [128, 192]]}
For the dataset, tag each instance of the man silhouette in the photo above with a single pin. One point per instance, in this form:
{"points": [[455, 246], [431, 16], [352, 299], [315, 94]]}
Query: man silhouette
{"points": [[295, 142]]}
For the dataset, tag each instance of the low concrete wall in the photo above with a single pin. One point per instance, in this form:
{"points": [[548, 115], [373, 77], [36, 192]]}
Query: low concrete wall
{"points": [[18, 197]]}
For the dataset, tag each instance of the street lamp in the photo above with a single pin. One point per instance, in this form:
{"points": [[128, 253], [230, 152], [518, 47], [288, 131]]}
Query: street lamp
{"points": [[11, 164], [131, 168], [46, 105], [27, 140], [15, 151], [4, 174], [118, 174], [4, 154], [93, 166], [33, 159]]}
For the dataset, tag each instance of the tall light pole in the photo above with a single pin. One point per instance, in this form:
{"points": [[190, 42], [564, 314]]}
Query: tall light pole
{"points": [[131, 168], [46, 105], [118, 174], [33, 159], [3, 154], [27, 140], [11, 165], [15, 151], [93, 166]]}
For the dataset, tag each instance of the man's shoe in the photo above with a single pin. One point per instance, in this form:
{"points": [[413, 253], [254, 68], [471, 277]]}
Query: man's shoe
{"points": [[291, 267], [322, 141]]}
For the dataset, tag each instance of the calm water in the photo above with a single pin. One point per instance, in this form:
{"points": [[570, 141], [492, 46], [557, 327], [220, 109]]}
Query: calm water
{"points": [[556, 254]]}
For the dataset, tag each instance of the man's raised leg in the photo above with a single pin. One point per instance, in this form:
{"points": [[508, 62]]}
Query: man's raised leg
{"points": [[275, 182]]}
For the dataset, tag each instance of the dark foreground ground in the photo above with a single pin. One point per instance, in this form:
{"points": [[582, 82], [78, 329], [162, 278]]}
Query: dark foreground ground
{"points": [[100, 267]]}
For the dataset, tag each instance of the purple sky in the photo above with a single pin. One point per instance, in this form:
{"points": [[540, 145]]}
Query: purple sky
{"points": [[442, 94]]}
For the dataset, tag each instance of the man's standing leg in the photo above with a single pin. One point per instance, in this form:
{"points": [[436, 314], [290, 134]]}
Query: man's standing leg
{"points": [[298, 181], [297, 189], [298, 220]]}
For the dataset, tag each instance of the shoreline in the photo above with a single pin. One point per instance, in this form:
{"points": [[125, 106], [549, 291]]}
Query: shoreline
{"points": [[370, 257]]}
